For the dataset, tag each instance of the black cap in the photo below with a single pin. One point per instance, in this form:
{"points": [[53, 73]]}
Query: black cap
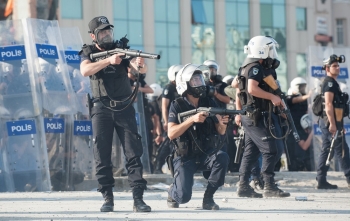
{"points": [[100, 23]]}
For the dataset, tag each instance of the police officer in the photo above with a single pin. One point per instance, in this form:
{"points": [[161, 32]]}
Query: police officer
{"points": [[110, 84], [253, 94], [196, 140], [332, 95], [298, 105], [215, 80], [169, 94]]}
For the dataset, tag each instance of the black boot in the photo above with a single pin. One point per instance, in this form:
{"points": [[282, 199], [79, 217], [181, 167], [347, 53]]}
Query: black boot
{"points": [[244, 190], [271, 190], [108, 205], [172, 203], [325, 185], [257, 184], [139, 204], [208, 201]]}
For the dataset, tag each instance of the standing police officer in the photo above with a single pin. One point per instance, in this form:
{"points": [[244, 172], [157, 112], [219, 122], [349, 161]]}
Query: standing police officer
{"points": [[253, 94], [332, 96], [110, 85], [168, 96], [196, 139], [297, 103], [215, 80]]}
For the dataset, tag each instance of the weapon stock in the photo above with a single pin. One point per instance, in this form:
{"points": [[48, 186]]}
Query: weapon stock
{"points": [[276, 89], [339, 124], [211, 111], [128, 52], [239, 145]]}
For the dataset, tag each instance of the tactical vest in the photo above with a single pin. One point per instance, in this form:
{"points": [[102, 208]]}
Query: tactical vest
{"points": [[105, 82], [247, 100], [202, 138]]}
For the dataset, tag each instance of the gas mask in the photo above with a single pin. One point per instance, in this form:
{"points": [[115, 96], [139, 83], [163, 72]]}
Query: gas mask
{"points": [[196, 86], [271, 63], [104, 38]]}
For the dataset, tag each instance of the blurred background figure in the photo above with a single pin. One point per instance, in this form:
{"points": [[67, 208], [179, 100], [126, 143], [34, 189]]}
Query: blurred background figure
{"points": [[297, 101]]}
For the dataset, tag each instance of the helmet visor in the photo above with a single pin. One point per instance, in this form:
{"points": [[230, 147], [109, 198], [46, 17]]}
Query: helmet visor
{"points": [[197, 80], [104, 36], [273, 52]]}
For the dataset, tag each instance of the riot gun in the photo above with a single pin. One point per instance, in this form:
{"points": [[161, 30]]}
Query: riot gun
{"points": [[269, 80], [128, 52], [210, 112], [338, 112], [239, 144]]}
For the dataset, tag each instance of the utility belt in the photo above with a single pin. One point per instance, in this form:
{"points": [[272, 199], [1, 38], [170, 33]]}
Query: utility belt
{"points": [[188, 148], [106, 102]]}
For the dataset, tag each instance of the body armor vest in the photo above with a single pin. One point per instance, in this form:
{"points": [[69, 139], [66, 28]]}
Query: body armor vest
{"points": [[105, 82], [247, 100], [198, 140]]}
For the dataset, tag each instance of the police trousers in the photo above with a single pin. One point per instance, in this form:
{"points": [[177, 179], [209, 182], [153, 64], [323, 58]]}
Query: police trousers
{"points": [[258, 140], [185, 168], [277, 131], [104, 122], [338, 149]]}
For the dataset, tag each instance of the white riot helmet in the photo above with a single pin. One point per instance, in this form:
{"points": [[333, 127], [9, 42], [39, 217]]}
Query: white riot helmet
{"points": [[260, 47], [295, 85], [172, 71], [305, 121], [157, 91], [190, 79], [228, 79], [213, 69]]}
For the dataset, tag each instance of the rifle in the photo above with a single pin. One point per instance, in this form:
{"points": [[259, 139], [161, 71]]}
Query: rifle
{"points": [[269, 80], [338, 111], [239, 144], [210, 111], [128, 52]]}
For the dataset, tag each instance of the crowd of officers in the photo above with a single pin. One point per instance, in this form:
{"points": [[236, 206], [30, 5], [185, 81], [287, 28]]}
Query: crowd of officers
{"points": [[205, 142]]}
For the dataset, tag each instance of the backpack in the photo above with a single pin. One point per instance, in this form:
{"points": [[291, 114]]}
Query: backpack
{"points": [[317, 106]]}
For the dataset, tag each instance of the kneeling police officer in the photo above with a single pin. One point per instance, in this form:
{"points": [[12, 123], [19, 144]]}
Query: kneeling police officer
{"points": [[253, 93], [196, 139]]}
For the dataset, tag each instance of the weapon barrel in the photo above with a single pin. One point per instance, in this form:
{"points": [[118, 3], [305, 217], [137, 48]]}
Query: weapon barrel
{"points": [[128, 52]]}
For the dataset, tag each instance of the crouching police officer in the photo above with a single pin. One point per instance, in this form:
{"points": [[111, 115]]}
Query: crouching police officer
{"points": [[253, 94], [329, 123], [196, 139], [110, 85]]}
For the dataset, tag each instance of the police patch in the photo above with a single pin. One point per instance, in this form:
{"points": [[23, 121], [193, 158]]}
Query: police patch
{"points": [[255, 71], [171, 114], [330, 84], [166, 91]]}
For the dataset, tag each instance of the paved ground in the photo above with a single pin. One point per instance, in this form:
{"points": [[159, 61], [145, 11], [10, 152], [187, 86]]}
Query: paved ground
{"points": [[84, 205]]}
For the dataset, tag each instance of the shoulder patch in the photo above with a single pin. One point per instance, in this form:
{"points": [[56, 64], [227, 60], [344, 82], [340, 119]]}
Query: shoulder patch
{"points": [[166, 91], [330, 84], [255, 71]]}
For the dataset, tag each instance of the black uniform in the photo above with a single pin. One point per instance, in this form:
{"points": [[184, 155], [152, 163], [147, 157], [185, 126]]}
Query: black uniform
{"points": [[148, 112], [220, 88], [331, 85], [109, 83], [213, 160], [258, 138], [165, 148], [298, 157]]}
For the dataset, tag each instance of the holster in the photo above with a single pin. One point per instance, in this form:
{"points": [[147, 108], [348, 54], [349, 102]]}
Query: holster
{"points": [[89, 103], [254, 115], [169, 160]]}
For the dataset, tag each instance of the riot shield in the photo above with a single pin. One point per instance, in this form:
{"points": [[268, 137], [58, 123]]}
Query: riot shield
{"points": [[142, 130], [81, 164], [23, 147], [316, 55], [46, 59]]}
